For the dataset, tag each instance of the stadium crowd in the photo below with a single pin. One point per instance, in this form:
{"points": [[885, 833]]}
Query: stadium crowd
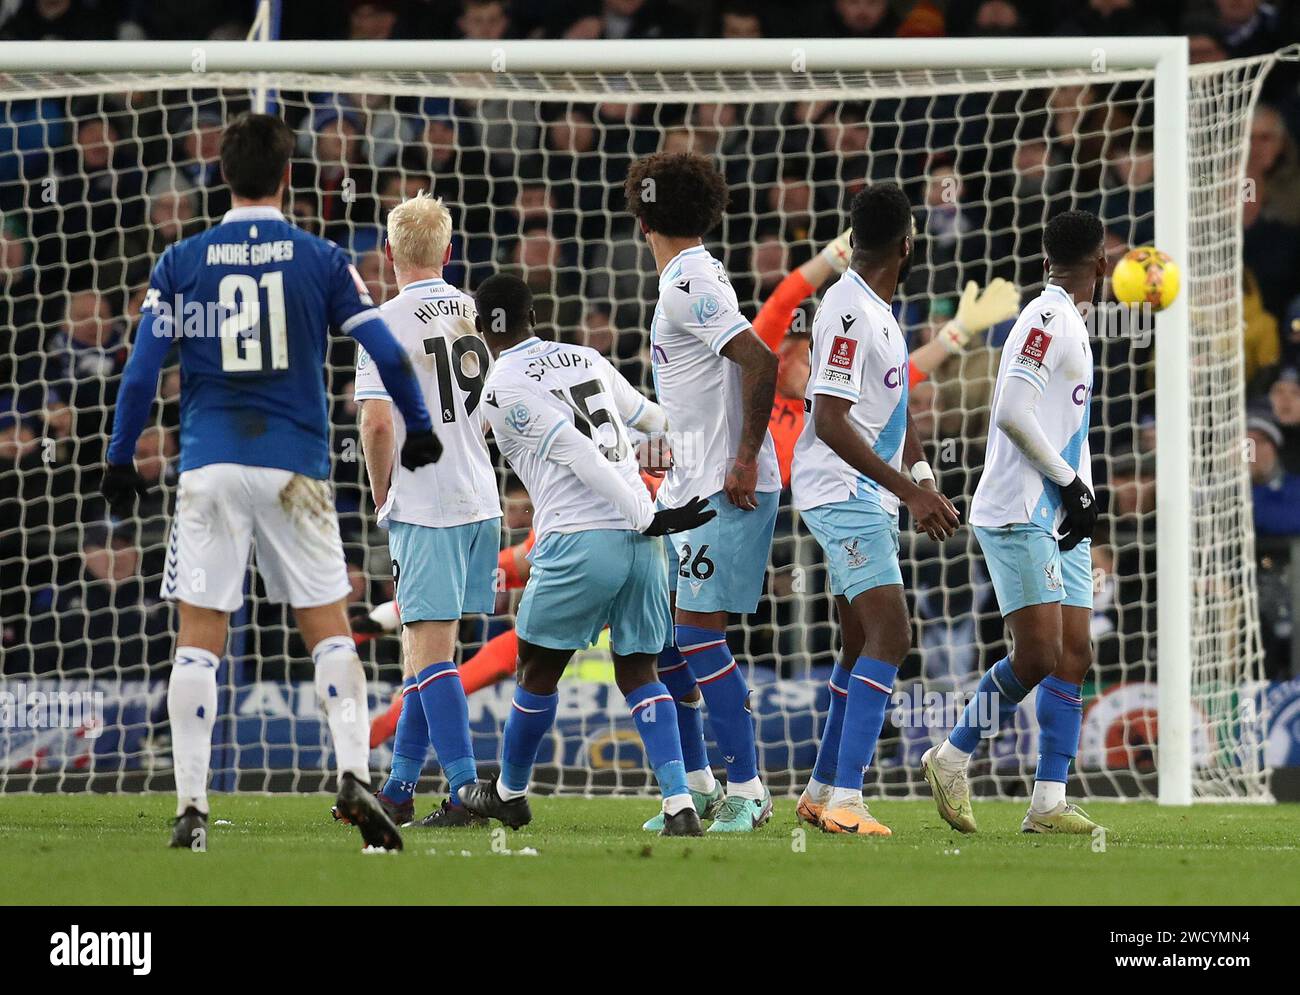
{"points": [[94, 188]]}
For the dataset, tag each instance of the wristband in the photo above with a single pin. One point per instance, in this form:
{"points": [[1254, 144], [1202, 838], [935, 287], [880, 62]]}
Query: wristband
{"points": [[921, 472], [954, 337]]}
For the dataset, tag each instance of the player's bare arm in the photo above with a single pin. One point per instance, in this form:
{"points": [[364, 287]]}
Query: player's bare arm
{"points": [[937, 519], [914, 457], [933, 513], [758, 366], [913, 451], [378, 439]]}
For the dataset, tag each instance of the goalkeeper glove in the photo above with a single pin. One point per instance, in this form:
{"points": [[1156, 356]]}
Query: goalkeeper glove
{"points": [[420, 449], [838, 252], [977, 311], [120, 486], [693, 513], [1080, 514]]}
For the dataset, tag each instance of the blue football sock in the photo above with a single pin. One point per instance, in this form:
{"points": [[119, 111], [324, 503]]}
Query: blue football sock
{"points": [[676, 675], [531, 717], [410, 746], [828, 751], [726, 694], [870, 688], [447, 713], [999, 684], [658, 729], [1060, 717]]}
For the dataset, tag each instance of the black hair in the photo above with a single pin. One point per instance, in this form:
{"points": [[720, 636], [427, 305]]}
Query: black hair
{"points": [[255, 151], [881, 217], [1073, 238], [504, 304]]}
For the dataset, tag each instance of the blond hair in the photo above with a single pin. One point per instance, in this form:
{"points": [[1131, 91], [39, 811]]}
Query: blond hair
{"points": [[419, 231]]}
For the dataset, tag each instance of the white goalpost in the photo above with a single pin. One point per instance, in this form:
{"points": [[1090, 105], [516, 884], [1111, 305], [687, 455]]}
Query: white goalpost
{"points": [[529, 142], [1173, 448]]}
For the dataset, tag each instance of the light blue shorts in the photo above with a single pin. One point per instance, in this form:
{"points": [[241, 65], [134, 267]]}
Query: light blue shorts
{"points": [[1027, 567], [441, 574], [860, 542], [721, 565], [582, 581]]}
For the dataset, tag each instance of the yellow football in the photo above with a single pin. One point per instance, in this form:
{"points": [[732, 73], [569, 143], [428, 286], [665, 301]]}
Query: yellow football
{"points": [[1146, 276]]}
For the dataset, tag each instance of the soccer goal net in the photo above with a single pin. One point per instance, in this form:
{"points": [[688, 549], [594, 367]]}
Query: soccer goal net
{"points": [[112, 156]]}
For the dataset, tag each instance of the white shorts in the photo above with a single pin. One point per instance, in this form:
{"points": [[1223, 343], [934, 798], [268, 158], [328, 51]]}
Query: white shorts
{"points": [[224, 509]]}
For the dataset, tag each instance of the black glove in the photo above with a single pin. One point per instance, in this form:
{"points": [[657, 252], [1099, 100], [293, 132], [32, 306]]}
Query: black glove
{"points": [[420, 449], [121, 486], [694, 512], [1080, 514]]}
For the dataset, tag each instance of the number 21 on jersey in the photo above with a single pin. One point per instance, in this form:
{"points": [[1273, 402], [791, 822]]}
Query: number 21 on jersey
{"points": [[244, 333]]}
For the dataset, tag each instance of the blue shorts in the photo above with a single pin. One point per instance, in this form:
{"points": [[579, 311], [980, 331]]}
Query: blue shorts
{"points": [[1027, 567], [721, 565], [860, 542], [582, 581], [441, 574]]}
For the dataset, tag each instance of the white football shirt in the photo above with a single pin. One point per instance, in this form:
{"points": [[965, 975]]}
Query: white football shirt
{"points": [[434, 323], [538, 389], [1048, 347], [696, 316], [858, 353]]}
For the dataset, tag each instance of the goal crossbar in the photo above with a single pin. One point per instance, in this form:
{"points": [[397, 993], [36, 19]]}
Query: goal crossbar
{"points": [[549, 56]]}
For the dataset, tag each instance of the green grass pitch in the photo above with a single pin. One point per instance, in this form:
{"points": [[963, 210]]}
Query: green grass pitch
{"points": [[93, 849]]}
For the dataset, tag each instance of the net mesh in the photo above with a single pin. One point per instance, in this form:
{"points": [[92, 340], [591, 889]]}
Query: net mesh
{"points": [[103, 171]]}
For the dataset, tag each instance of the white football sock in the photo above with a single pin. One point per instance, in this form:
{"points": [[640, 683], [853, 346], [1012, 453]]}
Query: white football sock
{"points": [[1048, 796], [753, 788], [341, 687], [507, 794], [844, 796], [950, 755], [677, 803], [818, 792], [701, 781], [192, 711]]}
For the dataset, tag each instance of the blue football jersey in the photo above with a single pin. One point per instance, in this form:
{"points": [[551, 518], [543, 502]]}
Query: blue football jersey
{"points": [[250, 303]]}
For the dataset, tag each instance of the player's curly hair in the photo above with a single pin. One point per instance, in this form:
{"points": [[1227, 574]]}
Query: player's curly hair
{"points": [[678, 194], [1073, 237]]}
